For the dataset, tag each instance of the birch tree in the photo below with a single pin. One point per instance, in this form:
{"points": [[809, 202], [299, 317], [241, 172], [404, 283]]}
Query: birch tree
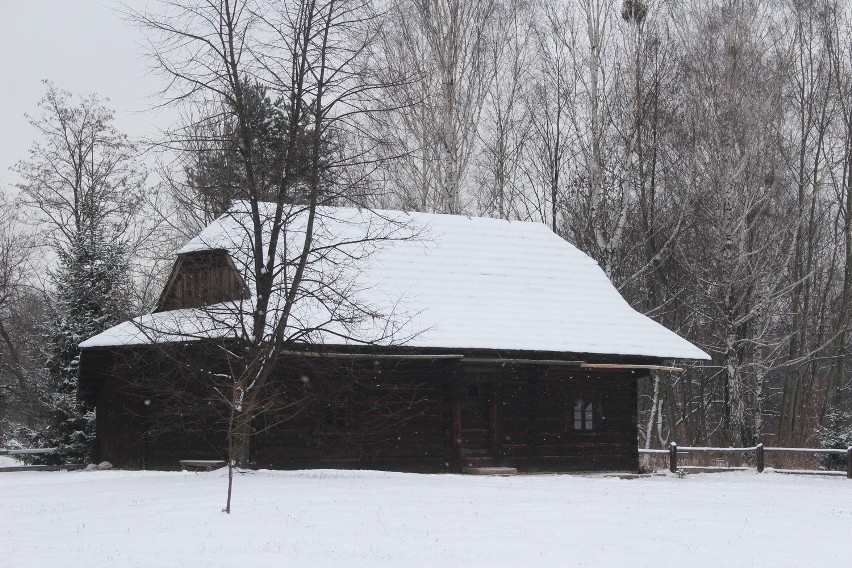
{"points": [[549, 151], [735, 92], [838, 50], [505, 128], [811, 107], [605, 200], [438, 54]]}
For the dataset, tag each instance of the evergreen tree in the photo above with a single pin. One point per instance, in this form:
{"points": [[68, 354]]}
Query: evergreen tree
{"points": [[91, 295], [92, 290], [215, 173], [835, 433], [86, 187]]}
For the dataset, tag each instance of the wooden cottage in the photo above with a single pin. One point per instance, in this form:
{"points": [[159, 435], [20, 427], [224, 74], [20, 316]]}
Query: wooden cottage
{"points": [[447, 342]]}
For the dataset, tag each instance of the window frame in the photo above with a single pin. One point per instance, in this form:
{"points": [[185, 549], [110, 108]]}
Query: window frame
{"points": [[583, 413], [334, 416]]}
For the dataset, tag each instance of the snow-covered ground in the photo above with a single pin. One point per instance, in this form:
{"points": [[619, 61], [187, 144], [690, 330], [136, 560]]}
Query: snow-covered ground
{"points": [[352, 518], [7, 461]]}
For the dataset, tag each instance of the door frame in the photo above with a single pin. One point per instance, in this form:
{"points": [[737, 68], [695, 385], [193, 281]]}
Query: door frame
{"points": [[491, 405]]}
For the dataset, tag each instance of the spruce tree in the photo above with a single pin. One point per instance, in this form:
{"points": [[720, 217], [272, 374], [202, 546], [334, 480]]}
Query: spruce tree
{"points": [[85, 184], [91, 290], [835, 433]]}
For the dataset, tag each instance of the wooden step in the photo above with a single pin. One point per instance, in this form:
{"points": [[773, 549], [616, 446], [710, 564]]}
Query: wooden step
{"points": [[477, 461], [201, 465], [489, 470]]}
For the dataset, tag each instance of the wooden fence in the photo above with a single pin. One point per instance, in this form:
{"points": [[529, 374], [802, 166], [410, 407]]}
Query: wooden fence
{"points": [[759, 452], [28, 451], [32, 451], [673, 451]]}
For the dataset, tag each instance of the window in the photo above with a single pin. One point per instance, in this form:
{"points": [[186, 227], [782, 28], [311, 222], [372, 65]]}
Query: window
{"points": [[584, 415], [334, 418], [333, 415], [473, 390]]}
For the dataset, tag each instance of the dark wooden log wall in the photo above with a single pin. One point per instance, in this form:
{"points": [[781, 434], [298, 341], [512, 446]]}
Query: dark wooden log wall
{"points": [[399, 416], [120, 436], [536, 422], [135, 429], [531, 419]]}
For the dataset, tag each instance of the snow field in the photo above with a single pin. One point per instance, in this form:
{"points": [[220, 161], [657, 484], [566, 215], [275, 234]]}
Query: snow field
{"points": [[364, 518]]}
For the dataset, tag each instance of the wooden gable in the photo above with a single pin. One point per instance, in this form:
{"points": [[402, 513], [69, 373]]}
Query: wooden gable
{"points": [[200, 279]]}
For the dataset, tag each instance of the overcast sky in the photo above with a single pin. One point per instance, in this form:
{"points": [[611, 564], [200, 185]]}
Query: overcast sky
{"points": [[82, 46]]}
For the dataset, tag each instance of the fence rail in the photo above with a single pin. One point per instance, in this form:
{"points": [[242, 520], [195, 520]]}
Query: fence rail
{"points": [[759, 451], [673, 451], [26, 451], [34, 451]]}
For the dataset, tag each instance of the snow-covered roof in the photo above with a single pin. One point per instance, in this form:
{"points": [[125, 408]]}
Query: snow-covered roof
{"points": [[428, 280]]}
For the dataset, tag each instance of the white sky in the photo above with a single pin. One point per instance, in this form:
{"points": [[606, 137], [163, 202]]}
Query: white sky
{"points": [[83, 46]]}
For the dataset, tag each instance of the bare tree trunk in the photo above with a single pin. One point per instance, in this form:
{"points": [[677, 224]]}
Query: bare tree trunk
{"points": [[837, 375], [440, 49], [231, 458], [651, 422], [547, 153], [309, 53], [813, 85], [505, 122]]}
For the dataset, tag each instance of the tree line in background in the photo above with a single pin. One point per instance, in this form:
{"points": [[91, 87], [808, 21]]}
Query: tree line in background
{"points": [[701, 152]]}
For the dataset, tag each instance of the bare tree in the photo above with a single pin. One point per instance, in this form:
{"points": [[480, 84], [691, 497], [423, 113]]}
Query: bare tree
{"points": [[83, 173], [837, 49], [811, 109], [84, 184], [604, 200], [437, 51], [306, 54], [505, 123], [548, 152], [21, 314]]}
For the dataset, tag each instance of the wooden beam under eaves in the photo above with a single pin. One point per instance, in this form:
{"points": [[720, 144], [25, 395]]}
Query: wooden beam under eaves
{"points": [[505, 361], [376, 356], [628, 366], [487, 360]]}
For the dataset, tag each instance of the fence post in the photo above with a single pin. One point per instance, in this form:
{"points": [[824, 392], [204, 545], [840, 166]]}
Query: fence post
{"points": [[758, 449], [849, 462], [673, 458]]}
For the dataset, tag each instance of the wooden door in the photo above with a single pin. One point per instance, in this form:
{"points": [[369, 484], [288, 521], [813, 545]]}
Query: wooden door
{"points": [[120, 427], [475, 418]]}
